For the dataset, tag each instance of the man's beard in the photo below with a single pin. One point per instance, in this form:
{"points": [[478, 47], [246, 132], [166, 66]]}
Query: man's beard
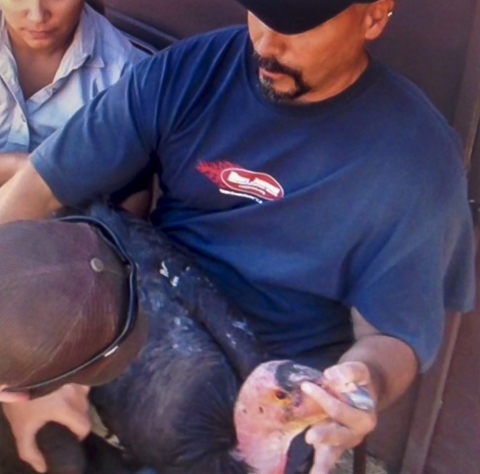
{"points": [[272, 65]]}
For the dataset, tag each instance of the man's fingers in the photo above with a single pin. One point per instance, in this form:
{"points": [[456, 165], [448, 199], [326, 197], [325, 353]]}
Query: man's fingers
{"points": [[28, 451], [67, 406], [325, 459], [75, 413], [82, 388], [332, 434], [347, 425], [348, 373], [339, 411], [77, 394], [10, 397], [79, 424]]}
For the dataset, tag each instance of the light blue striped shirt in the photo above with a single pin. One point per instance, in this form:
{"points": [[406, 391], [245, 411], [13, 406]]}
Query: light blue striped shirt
{"points": [[97, 57]]}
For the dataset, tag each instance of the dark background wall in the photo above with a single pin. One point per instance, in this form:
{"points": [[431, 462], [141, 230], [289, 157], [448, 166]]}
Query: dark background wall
{"points": [[427, 40]]}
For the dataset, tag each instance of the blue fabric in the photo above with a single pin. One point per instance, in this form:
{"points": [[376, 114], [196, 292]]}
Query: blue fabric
{"points": [[298, 212]]}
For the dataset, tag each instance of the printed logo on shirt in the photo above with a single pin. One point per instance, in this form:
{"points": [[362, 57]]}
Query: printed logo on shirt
{"points": [[236, 181]]}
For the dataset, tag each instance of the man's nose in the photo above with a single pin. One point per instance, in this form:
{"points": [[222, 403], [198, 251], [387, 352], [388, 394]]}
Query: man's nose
{"points": [[270, 43], [36, 11]]}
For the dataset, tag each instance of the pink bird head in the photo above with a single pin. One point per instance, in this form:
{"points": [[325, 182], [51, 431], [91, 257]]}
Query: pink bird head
{"points": [[272, 409]]}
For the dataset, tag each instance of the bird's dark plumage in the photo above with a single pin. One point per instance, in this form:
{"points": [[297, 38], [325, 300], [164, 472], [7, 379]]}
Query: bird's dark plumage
{"points": [[172, 409]]}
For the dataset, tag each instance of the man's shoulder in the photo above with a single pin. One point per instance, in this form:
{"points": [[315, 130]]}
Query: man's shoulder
{"points": [[406, 102], [407, 129], [210, 54], [213, 42], [206, 53], [408, 141]]}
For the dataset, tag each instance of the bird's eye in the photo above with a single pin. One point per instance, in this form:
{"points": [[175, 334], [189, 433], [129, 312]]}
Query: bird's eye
{"points": [[280, 395]]}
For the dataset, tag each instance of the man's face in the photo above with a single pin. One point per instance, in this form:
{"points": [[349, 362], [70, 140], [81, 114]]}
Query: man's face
{"points": [[41, 24], [311, 66]]}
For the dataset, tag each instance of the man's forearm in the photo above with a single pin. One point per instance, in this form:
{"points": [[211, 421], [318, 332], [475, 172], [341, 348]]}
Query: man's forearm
{"points": [[26, 196], [10, 164], [391, 362]]}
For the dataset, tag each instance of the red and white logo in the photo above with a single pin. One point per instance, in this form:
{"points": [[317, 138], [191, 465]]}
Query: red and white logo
{"points": [[234, 180]]}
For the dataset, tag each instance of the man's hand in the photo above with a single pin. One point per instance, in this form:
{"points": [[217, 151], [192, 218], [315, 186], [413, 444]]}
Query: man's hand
{"points": [[386, 366], [347, 426], [67, 406]]}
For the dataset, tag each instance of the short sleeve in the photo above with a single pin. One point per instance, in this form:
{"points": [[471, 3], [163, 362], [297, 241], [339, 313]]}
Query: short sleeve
{"points": [[423, 266], [104, 146]]}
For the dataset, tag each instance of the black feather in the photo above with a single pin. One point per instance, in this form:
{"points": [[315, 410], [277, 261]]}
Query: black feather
{"points": [[173, 409]]}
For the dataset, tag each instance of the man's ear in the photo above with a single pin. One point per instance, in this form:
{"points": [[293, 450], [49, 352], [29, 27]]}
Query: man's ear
{"points": [[377, 17]]}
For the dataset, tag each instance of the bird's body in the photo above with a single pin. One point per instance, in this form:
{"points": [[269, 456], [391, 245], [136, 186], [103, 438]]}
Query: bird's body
{"points": [[177, 407], [172, 409]]}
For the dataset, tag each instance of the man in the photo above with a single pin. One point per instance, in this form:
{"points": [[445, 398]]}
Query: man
{"points": [[320, 190], [56, 56]]}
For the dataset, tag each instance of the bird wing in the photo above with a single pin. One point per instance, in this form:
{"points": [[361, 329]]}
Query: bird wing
{"points": [[203, 301]]}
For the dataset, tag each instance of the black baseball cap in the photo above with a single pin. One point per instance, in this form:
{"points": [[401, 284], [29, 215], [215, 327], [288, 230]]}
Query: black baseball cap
{"points": [[292, 17]]}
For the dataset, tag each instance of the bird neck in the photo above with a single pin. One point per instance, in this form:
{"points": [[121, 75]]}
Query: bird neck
{"points": [[264, 449]]}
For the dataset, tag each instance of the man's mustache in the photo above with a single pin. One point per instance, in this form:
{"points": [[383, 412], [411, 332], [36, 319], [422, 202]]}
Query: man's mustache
{"points": [[274, 66]]}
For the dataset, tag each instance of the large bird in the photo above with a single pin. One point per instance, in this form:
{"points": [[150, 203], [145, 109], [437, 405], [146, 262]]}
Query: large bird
{"points": [[180, 407]]}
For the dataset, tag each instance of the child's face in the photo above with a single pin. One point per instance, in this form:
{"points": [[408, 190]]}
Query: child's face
{"points": [[41, 24]]}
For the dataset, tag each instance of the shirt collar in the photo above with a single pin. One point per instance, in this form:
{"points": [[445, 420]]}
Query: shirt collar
{"points": [[82, 48], [4, 38], [8, 66]]}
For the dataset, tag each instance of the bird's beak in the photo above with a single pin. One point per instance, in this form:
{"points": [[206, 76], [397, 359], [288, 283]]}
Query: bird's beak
{"points": [[358, 398], [289, 374]]}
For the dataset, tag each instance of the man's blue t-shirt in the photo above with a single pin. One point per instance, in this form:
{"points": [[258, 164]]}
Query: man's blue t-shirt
{"points": [[299, 212]]}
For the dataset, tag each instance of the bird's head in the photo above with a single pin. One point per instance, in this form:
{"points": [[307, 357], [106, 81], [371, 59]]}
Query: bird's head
{"points": [[272, 409], [271, 399]]}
